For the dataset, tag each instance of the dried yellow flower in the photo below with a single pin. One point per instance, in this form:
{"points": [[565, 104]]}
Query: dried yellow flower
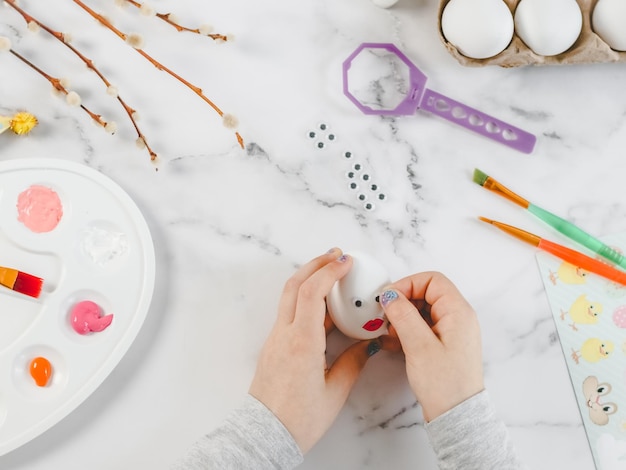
{"points": [[23, 123]]}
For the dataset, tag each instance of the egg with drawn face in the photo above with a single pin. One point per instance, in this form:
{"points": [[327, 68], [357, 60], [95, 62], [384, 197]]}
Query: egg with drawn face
{"points": [[353, 302]]}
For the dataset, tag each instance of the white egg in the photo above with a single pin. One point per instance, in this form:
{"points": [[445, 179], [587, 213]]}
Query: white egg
{"points": [[548, 27], [384, 3], [477, 28], [609, 22], [352, 302]]}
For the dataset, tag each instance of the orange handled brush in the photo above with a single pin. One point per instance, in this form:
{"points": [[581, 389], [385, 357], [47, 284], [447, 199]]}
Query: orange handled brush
{"points": [[566, 254], [18, 281]]}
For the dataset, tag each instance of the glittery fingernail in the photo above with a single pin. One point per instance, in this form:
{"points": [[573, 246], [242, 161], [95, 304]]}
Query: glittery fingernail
{"points": [[343, 258], [373, 347], [388, 297]]}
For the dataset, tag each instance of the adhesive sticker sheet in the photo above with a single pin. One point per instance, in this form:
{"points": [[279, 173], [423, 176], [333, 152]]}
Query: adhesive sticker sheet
{"points": [[590, 316]]}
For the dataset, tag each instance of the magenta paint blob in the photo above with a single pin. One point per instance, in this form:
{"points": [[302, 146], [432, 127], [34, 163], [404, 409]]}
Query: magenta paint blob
{"points": [[87, 317]]}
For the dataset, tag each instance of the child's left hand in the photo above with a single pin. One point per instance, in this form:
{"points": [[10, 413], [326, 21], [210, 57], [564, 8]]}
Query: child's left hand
{"points": [[292, 377]]}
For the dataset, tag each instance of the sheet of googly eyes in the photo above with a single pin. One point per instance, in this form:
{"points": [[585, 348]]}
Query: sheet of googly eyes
{"points": [[358, 179]]}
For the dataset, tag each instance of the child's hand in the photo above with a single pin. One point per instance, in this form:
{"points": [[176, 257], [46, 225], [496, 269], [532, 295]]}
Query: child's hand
{"points": [[440, 338], [292, 378]]}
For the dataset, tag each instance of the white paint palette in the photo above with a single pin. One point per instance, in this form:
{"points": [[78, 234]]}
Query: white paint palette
{"points": [[101, 251]]}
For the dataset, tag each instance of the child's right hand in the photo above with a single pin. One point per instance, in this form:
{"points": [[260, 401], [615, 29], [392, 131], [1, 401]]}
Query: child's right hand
{"points": [[440, 337]]}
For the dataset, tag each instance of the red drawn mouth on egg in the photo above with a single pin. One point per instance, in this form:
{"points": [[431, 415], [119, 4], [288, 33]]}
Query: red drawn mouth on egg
{"points": [[374, 324]]}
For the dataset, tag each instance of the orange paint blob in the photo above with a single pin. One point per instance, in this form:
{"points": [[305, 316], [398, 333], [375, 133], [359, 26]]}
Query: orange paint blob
{"points": [[41, 371]]}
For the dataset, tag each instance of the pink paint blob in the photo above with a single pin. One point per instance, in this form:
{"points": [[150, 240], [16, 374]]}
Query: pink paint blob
{"points": [[39, 208], [619, 316], [86, 317]]}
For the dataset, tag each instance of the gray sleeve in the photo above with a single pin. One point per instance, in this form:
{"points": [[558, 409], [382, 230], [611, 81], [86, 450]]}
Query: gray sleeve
{"points": [[471, 436], [250, 438]]}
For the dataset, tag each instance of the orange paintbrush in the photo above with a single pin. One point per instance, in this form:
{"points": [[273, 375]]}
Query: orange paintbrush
{"points": [[21, 282], [566, 254]]}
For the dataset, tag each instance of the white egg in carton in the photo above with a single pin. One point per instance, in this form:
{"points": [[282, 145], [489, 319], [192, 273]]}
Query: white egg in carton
{"points": [[514, 33]]}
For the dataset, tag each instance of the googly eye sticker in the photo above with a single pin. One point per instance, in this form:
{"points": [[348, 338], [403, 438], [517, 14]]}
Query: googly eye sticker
{"points": [[321, 135], [360, 180]]}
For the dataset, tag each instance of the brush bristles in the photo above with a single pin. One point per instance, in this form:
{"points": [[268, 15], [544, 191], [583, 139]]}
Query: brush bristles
{"points": [[480, 177], [28, 284]]}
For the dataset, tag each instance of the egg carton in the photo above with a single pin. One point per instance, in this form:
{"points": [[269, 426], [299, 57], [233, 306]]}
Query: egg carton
{"points": [[588, 48]]}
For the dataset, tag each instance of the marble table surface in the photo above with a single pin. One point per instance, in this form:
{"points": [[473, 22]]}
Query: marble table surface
{"points": [[231, 224]]}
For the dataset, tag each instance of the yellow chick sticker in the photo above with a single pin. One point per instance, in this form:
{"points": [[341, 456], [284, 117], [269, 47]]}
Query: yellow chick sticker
{"points": [[583, 312], [569, 274], [593, 350]]}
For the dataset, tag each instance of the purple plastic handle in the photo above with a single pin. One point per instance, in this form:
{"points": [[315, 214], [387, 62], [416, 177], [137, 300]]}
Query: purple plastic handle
{"points": [[421, 97], [477, 121]]}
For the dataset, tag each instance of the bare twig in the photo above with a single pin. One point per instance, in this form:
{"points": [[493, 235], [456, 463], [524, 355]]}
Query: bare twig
{"points": [[61, 37], [167, 17], [125, 37], [56, 83]]}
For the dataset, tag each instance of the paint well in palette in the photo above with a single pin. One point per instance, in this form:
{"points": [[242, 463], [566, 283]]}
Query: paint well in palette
{"points": [[39, 208], [41, 371], [103, 244], [87, 317]]}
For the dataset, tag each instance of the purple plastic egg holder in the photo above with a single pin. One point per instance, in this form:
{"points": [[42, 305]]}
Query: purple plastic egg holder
{"points": [[419, 97]]}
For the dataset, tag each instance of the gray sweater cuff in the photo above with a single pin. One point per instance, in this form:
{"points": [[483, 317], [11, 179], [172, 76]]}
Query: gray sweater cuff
{"points": [[252, 437], [471, 436]]}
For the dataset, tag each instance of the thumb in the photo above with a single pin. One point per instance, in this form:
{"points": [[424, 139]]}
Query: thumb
{"points": [[405, 318], [346, 369]]}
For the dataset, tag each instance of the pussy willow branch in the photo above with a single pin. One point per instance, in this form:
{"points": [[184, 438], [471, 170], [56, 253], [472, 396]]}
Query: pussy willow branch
{"points": [[56, 83], [59, 36], [123, 36], [167, 18]]}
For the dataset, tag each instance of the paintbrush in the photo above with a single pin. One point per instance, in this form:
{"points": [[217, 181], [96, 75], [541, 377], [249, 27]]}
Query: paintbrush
{"points": [[566, 228], [21, 282], [566, 254]]}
